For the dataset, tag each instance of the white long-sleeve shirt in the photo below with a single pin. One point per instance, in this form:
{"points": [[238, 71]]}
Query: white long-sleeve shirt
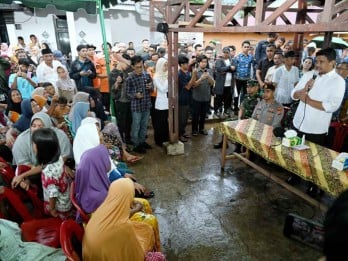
{"points": [[327, 88], [162, 89]]}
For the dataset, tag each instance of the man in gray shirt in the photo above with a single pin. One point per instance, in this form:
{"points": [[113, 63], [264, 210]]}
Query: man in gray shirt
{"points": [[201, 95]]}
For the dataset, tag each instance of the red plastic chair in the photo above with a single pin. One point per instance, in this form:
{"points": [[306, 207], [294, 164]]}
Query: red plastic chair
{"points": [[44, 231], [82, 213], [31, 194], [7, 173], [71, 235], [16, 210]]}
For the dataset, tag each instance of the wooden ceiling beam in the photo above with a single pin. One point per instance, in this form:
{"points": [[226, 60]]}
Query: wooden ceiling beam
{"points": [[318, 27], [200, 13], [280, 10], [233, 11], [175, 16]]}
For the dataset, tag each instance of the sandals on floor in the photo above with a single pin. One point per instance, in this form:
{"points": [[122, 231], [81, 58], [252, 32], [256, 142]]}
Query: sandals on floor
{"points": [[135, 159], [147, 194]]}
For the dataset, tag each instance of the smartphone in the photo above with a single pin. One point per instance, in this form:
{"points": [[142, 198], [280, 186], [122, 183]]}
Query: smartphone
{"points": [[304, 230]]}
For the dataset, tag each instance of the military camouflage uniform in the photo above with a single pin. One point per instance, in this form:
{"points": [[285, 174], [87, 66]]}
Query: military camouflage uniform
{"points": [[269, 113], [248, 105]]}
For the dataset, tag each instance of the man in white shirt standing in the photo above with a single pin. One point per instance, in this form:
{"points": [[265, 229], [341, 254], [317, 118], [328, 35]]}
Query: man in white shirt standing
{"points": [[319, 97], [47, 70], [285, 79]]}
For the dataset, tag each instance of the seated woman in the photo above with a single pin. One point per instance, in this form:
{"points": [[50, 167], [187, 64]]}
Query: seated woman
{"points": [[13, 248], [23, 153], [89, 136], [55, 181], [111, 234], [28, 109], [13, 110]]}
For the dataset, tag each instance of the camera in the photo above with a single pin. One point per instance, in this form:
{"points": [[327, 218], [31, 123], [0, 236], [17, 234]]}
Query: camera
{"points": [[205, 70]]}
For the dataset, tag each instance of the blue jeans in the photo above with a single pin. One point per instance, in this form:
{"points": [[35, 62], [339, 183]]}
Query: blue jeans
{"points": [[139, 126]]}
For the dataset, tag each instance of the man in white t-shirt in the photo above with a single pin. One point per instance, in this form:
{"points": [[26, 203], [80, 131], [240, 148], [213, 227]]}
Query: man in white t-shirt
{"points": [[278, 62], [47, 70], [285, 79], [319, 98]]}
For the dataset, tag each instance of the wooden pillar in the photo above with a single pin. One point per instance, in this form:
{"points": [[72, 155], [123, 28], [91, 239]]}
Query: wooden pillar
{"points": [[173, 104], [327, 40]]}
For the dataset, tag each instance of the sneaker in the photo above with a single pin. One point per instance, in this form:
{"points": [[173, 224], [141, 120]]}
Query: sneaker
{"points": [[146, 146], [203, 132], [195, 133], [187, 136], [139, 149]]}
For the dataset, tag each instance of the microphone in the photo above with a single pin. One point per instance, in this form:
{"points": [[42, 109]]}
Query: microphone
{"points": [[315, 75]]}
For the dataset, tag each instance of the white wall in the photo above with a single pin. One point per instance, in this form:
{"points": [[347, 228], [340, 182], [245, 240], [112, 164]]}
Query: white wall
{"points": [[37, 24], [129, 26], [120, 25]]}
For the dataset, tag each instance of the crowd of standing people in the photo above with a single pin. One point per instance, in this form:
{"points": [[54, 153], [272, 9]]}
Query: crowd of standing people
{"points": [[54, 111]]}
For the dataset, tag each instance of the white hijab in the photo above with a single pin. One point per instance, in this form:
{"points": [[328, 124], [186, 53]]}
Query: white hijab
{"points": [[86, 138]]}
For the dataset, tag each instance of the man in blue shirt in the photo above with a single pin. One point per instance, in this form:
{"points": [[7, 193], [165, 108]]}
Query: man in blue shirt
{"points": [[22, 81], [243, 61], [260, 51]]}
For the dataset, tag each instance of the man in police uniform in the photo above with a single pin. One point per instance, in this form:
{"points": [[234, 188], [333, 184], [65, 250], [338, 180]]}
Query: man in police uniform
{"points": [[250, 100], [268, 110]]}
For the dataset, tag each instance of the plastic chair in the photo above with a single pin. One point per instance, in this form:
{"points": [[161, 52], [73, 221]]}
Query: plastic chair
{"points": [[83, 214], [16, 210], [71, 235], [7, 173], [43, 231]]}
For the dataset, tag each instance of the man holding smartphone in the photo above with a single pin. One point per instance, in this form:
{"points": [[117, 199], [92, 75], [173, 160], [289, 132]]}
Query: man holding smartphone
{"points": [[22, 81], [82, 69], [138, 88]]}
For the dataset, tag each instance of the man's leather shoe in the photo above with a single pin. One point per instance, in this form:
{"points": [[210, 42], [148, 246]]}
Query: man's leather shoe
{"points": [[219, 145], [312, 191], [293, 180]]}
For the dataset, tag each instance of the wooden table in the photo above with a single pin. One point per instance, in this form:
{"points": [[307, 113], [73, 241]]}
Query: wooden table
{"points": [[313, 164]]}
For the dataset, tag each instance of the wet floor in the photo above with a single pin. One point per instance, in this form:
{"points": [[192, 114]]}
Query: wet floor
{"points": [[206, 214]]}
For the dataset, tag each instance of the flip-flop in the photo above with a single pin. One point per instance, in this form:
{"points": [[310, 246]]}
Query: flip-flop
{"points": [[135, 159], [147, 194]]}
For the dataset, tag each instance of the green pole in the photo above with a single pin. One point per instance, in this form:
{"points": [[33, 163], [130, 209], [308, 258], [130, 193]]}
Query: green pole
{"points": [[106, 52]]}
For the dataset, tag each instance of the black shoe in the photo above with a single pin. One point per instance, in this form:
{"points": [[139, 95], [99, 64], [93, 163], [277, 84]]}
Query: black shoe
{"points": [[146, 146], [312, 191], [195, 133], [293, 180], [218, 145], [203, 132], [139, 149]]}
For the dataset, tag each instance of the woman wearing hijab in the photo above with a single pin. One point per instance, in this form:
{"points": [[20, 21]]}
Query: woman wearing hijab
{"points": [[28, 108], [89, 136], [97, 106], [111, 234], [14, 110], [160, 81], [23, 153], [66, 86]]}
